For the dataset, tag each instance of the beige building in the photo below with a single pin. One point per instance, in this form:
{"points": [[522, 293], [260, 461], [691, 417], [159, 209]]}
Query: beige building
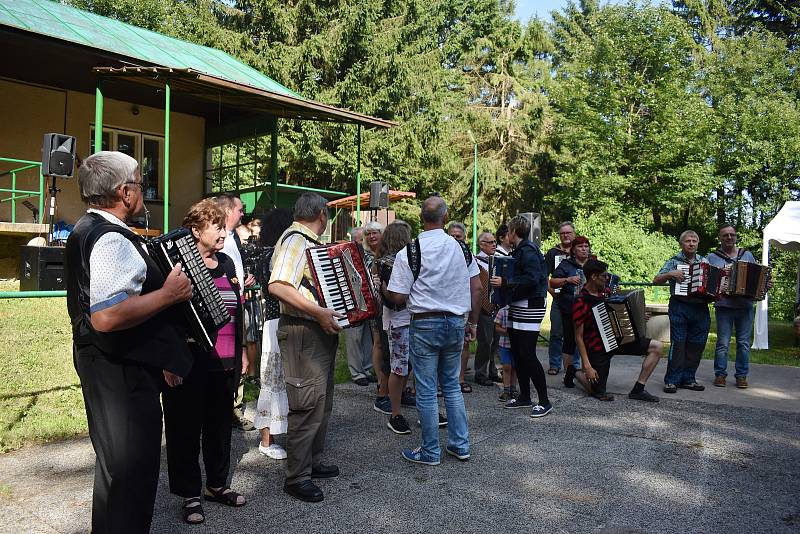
{"points": [[65, 71]]}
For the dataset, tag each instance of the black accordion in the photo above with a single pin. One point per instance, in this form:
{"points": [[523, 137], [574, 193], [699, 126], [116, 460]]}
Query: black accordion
{"points": [[744, 279], [502, 266], [205, 312], [700, 280], [621, 319]]}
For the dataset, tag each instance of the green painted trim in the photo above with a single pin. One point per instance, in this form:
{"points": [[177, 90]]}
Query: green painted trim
{"points": [[294, 187], [98, 117], [31, 294], [167, 103]]}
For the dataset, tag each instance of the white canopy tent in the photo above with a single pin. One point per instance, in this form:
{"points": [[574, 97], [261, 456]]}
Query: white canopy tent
{"points": [[782, 232]]}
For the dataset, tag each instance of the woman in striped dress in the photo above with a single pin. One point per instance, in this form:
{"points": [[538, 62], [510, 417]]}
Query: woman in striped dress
{"points": [[528, 287]]}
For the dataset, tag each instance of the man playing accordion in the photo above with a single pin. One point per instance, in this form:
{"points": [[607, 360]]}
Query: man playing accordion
{"points": [[595, 360]]}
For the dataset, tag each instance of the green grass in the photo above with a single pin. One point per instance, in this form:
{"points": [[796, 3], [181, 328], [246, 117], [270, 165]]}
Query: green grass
{"points": [[40, 396]]}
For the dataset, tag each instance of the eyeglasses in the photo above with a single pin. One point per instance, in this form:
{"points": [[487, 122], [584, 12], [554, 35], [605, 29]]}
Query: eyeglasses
{"points": [[140, 185], [489, 242], [567, 233]]}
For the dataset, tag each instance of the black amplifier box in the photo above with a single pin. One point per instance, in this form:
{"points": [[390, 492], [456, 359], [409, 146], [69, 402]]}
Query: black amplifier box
{"points": [[41, 269]]}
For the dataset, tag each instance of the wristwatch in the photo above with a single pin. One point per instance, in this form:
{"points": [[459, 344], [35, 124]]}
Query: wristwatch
{"points": [[472, 325]]}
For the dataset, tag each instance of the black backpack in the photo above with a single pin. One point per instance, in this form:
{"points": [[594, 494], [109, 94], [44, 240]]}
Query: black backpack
{"points": [[415, 256]]}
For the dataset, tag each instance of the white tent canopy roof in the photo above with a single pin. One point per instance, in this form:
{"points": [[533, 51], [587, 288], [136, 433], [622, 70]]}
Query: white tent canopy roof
{"points": [[782, 232]]}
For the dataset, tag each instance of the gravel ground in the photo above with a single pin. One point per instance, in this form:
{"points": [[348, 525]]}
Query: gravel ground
{"points": [[688, 463]]}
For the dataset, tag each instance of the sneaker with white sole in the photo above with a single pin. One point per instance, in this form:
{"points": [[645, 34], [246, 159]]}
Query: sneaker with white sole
{"points": [[463, 456], [398, 425], [274, 451], [541, 411], [417, 456]]}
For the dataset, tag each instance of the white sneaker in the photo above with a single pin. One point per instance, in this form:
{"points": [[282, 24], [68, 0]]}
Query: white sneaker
{"points": [[274, 451]]}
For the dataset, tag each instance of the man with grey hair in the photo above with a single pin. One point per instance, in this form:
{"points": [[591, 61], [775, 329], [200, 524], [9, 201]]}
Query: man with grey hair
{"points": [[485, 368], [689, 319], [438, 278], [234, 211], [554, 256], [358, 339], [308, 339], [124, 334]]}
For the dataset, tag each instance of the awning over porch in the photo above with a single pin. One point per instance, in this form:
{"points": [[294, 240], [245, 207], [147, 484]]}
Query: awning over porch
{"points": [[351, 202]]}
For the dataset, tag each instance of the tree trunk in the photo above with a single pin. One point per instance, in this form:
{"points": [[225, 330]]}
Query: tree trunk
{"points": [[657, 220]]}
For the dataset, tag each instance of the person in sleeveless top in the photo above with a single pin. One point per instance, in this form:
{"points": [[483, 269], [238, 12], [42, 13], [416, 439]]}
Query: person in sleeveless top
{"points": [[125, 332]]}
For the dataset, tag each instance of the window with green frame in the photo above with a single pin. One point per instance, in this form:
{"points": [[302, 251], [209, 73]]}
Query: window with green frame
{"points": [[237, 166]]}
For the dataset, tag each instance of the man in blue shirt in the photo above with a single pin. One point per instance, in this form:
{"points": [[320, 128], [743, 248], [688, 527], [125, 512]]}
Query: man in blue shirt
{"points": [[732, 311], [689, 320]]}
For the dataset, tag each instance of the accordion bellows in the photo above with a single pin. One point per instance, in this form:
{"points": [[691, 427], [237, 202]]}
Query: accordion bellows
{"points": [[342, 282], [745, 279]]}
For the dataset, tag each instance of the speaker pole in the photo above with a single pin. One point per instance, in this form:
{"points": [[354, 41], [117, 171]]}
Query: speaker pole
{"points": [[51, 217]]}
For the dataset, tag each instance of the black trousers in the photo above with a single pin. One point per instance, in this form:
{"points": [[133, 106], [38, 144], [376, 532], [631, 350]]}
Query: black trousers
{"points": [[526, 364], [487, 347], [124, 415], [199, 411]]}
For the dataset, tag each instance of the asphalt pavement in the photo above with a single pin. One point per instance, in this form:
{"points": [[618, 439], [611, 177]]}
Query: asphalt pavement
{"points": [[722, 460]]}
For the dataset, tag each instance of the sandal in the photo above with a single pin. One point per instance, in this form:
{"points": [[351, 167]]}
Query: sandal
{"points": [[466, 388], [224, 496], [193, 506], [552, 371]]}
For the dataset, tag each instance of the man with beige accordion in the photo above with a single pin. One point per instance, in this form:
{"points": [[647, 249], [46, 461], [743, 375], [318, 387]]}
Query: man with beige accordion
{"points": [[734, 311], [485, 368]]}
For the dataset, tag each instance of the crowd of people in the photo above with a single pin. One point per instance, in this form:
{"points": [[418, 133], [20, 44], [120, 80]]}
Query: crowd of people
{"points": [[132, 354]]}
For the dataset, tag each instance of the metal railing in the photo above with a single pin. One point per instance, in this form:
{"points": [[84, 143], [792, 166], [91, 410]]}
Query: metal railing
{"points": [[19, 194]]}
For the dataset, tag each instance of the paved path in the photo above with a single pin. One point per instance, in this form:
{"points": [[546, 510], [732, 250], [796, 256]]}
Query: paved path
{"points": [[722, 460]]}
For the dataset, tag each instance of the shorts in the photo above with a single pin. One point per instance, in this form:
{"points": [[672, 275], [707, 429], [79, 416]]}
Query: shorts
{"points": [[506, 358], [398, 347]]}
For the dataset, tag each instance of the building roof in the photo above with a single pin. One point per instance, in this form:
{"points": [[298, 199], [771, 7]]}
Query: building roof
{"points": [[68, 23], [206, 77]]}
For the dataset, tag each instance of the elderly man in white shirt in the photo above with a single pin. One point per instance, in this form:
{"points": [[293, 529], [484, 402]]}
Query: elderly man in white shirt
{"points": [[234, 211], [440, 283]]}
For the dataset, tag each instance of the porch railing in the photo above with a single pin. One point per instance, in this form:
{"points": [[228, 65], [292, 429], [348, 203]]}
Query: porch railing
{"points": [[20, 194]]}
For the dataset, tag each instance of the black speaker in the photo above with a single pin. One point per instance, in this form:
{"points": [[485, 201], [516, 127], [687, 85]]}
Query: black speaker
{"points": [[58, 155], [536, 227], [378, 195], [41, 268]]}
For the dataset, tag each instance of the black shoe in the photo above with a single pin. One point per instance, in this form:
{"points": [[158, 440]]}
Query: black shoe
{"points": [[361, 381], [242, 424], [398, 425], [372, 378], [305, 491], [408, 399], [442, 421], [483, 381], [693, 386], [643, 396], [324, 471]]}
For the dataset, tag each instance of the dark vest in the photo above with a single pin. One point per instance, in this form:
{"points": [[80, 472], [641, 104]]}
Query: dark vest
{"points": [[159, 342]]}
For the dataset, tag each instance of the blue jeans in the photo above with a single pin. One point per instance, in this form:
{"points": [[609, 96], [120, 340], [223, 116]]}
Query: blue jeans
{"points": [[556, 336], [688, 332], [435, 347], [727, 320]]}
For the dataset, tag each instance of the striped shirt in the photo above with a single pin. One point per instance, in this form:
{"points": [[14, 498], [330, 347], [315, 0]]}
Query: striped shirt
{"points": [[289, 265], [225, 347], [582, 315]]}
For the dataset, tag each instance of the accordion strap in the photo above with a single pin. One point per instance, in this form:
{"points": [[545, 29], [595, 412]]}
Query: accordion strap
{"points": [[304, 281]]}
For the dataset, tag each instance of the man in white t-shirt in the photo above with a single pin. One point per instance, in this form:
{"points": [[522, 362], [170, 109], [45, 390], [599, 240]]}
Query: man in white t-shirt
{"points": [[440, 283]]}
